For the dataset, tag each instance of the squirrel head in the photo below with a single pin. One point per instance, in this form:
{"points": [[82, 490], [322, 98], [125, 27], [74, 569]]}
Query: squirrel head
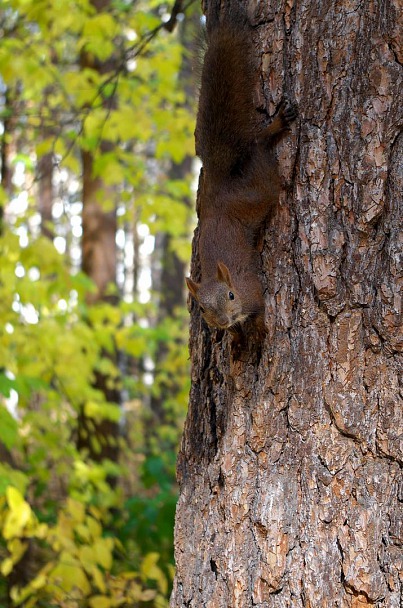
{"points": [[219, 301]]}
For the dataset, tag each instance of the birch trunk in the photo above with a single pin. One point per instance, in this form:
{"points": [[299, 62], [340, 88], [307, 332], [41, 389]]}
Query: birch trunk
{"points": [[290, 465]]}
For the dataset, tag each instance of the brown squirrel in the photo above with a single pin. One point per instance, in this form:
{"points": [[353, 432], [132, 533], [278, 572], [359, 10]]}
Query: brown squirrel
{"points": [[239, 183]]}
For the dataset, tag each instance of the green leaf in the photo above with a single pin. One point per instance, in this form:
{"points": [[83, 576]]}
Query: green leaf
{"points": [[6, 385], [8, 427], [11, 477]]}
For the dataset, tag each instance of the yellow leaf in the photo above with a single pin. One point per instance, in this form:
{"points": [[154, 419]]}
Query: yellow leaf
{"points": [[95, 512], [100, 601], [44, 147], [69, 575], [129, 575], [103, 551], [64, 533], [38, 582], [98, 579], [16, 549], [87, 557], [18, 516], [6, 566], [83, 532], [94, 527], [41, 530], [150, 570], [76, 510], [148, 595], [14, 498], [100, 25], [149, 565]]}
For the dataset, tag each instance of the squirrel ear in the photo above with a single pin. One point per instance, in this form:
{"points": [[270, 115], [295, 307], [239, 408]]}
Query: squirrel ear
{"points": [[192, 286], [223, 274]]}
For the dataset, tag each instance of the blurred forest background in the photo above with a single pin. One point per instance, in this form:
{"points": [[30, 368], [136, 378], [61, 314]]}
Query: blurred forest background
{"points": [[96, 212]]}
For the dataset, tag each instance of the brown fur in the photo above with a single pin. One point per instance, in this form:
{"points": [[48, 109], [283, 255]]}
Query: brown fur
{"points": [[239, 184]]}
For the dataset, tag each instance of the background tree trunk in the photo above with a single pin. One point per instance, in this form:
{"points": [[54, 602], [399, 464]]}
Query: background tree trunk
{"points": [[99, 256], [171, 281], [290, 464], [45, 193], [9, 109]]}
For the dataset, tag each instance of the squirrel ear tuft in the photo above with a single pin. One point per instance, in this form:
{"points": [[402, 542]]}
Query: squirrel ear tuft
{"points": [[192, 286], [223, 274]]}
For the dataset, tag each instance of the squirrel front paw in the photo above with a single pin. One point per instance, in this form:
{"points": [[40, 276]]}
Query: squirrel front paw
{"points": [[286, 113]]}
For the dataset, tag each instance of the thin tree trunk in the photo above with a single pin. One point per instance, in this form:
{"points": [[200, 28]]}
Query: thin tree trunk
{"points": [[99, 263], [171, 293], [99, 259], [45, 193], [6, 142], [99, 233], [171, 280], [45, 167], [290, 464]]}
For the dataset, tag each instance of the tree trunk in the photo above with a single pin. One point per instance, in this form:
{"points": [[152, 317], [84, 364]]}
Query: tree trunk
{"points": [[171, 296], [45, 193], [6, 147], [99, 259], [290, 463], [99, 263], [170, 284]]}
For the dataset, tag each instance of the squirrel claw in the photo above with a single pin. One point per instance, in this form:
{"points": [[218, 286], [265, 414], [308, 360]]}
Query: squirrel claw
{"points": [[287, 110]]}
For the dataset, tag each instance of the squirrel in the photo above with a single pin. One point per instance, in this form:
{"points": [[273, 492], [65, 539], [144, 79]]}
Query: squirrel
{"points": [[239, 183]]}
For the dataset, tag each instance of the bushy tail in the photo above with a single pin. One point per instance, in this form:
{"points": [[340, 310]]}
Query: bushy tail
{"points": [[227, 119]]}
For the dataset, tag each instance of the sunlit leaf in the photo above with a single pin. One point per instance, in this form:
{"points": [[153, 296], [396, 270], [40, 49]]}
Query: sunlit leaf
{"points": [[100, 601]]}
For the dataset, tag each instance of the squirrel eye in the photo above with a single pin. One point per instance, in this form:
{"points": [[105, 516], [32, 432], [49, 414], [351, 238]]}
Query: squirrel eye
{"points": [[231, 295]]}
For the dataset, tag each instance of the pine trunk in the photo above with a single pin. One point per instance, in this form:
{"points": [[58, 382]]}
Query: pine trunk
{"points": [[290, 463]]}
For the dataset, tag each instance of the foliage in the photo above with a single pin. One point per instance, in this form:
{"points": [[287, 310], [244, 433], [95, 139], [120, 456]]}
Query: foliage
{"points": [[96, 534], [79, 571], [53, 359], [136, 105]]}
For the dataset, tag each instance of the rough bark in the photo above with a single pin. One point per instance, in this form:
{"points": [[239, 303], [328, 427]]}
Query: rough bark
{"points": [[290, 464]]}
